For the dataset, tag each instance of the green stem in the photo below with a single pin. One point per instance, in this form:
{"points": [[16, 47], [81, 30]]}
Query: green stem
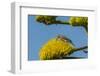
{"points": [[78, 49], [67, 23], [86, 28], [61, 22], [81, 48]]}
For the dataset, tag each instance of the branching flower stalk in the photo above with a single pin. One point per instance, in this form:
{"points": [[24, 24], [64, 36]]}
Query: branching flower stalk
{"points": [[73, 21]]}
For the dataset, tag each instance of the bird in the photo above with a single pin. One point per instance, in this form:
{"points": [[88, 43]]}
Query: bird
{"points": [[56, 48], [63, 38]]}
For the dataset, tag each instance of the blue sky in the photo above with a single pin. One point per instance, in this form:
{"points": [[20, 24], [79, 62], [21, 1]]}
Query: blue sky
{"points": [[38, 34]]}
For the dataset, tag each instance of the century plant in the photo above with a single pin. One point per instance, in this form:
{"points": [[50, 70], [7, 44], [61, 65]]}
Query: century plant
{"points": [[60, 46]]}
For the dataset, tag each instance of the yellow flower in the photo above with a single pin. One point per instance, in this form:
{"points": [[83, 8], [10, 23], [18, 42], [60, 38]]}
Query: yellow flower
{"points": [[55, 49], [78, 21], [46, 19]]}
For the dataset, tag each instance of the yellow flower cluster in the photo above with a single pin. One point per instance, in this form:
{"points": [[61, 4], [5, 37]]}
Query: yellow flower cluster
{"points": [[46, 19], [78, 21], [54, 49]]}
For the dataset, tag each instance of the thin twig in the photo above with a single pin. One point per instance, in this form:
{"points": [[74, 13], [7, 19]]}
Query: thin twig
{"points": [[81, 48], [62, 22]]}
